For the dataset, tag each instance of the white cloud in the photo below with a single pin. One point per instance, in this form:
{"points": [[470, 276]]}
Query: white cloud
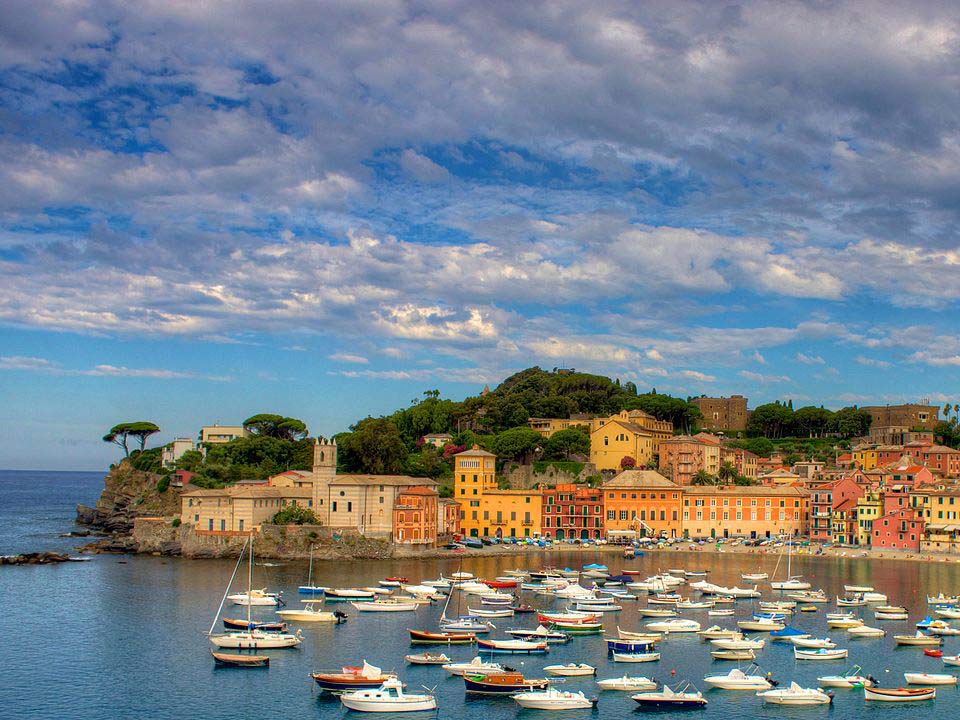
{"points": [[872, 362], [422, 168], [348, 358], [763, 379], [49, 367], [810, 359]]}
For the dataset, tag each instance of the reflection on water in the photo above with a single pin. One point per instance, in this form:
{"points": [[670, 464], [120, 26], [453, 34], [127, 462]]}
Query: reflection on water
{"points": [[128, 639]]}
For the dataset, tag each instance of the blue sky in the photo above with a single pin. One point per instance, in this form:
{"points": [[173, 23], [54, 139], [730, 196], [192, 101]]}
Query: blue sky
{"points": [[213, 210]]}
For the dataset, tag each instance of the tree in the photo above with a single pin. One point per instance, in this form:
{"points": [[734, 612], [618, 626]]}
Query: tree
{"points": [[703, 478], [743, 480], [772, 420], [276, 426], [295, 515], [812, 421], [627, 462], [516, 443], [140, 431], [373, 446], [564, 443], [728, 471], [851, 422]]}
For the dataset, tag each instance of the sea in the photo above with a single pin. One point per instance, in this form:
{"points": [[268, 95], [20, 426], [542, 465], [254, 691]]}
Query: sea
{"points": [[125, 637]]}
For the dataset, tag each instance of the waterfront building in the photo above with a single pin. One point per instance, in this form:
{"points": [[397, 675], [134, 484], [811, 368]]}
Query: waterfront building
{"points": [[486, 510], [824, 500], [448, 518], [415, 516], [641, 503], [683, 456], [943, 460], [572, 511], [869, 507], [221, 434], [239, 508], [723, 413], [897, 530], [844, 522], [711, 511]]}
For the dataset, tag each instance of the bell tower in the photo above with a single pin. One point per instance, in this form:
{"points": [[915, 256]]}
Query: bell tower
{"points": [[324, 470]]}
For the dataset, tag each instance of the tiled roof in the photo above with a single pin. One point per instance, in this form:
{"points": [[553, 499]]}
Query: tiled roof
{"points": [[638, 479]]}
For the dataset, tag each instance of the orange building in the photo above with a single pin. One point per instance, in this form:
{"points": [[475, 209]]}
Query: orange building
{"points": [[639, 503], [415, 516], [745, 511]]}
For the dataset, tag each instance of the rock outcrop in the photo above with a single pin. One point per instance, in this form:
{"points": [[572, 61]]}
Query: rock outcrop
{"points": [[37, 558], [128, 494]]}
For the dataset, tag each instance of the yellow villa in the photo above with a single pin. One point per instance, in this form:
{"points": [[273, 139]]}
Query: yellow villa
{"points": [[617, 439], [484, 508], [866, 456], [869, 508]]}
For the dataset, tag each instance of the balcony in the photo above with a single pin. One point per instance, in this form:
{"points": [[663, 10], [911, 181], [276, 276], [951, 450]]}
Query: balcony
{"points": [[498, 522], [527, 523]]}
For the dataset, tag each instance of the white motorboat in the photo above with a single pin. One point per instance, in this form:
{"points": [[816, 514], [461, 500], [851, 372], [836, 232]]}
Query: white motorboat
{"points": [[814, 643], [941, 627], [796, 695], [809, 596], [656, 612], [349, 594], [553, 699], [874, 597], [630, 684], [947, 612], [918, 639], [674, 625], [778, 606], [754, 577], [427, 658], [738, 643], [739, 593], [477, 666], [570, 670], [540, 634], [737, 679], [890, 609], [385, 606], [921, 678], [597, 607], [819, 653], [851, 601], [669, 698], [257, 598], [694, 605], [853, 678], [865, 631], [311, 612], [389, 697], [733, 654], [953, 660], [858, 588], [637, 657], [760, 625], [844, 623], [715, 632], [890, 615], [941, 599], [256, 640]]}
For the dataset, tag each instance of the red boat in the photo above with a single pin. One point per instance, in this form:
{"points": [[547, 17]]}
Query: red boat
{"points": [[351, 678], [931, 652], [427, 637], [546, 619], [498, 584], [630, 572]]}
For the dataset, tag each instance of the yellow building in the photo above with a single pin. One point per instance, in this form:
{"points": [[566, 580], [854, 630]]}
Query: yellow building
{"points": [[869, 508], [221, 434], [659, 429], [866, 456], [744, 511], [504, 513], [617, 439], [548, 426], [240, 508]]}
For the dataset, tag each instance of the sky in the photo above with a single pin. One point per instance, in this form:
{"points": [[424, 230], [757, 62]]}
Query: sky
{"points": [[210, 210]]}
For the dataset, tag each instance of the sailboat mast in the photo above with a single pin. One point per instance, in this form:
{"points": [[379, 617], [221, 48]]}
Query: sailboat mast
{"points": [[250, 581]]}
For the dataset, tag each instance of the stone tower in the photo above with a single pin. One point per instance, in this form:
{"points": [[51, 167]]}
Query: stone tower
{"points": [[324, 470]]}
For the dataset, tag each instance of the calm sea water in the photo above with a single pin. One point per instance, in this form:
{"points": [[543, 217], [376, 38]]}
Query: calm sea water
{"points": [[124, 637]]}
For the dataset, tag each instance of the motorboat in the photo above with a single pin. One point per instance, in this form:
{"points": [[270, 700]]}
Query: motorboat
{"points": [[796, 695], [788, 634], [733, 654], [668, 698], [812, 642], [597, 607], [310, 612], [738, 643], [630, 684], [921, 678], [389, 697], [754, 577], [899, 694], [953, 660], [851, 601], [553, 699], [874, 597], [520, 647], [715, 632], [568, 617], [570, 670], [809, 596], [635, 657], [674, 625], [540, 634], [502, 683], [366, 676], [865, 631], [624, 645], [501, 583], [890, 615], [853, 678], [951, 613], [427, 658], [942, 628], [941, 599], [256, 598], [482, 613], [656, 612], [348, 594], [844, 623], [311, 589], [694, 605], [477, 666], [578, 628], [858, 588], [819, 653], [777, 606], [918, 639], [428, 637], [639, 636], [737, 679], [760, 624], [465, 625]]}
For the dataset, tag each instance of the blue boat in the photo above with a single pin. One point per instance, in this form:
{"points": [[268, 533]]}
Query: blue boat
{"points": [[788, 632], [925, 623], [595, 566], [310, 590], [628, 646], [769, 616]]}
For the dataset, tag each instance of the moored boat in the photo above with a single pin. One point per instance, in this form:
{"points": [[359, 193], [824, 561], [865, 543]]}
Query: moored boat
{"points": [[553, 699], [737, 679], [918, 639], [521, 647], [427, 658], [351, 678], [922, 678], [540, 634], [477, 666], [502, 683], [853, 678], [234, 624], [796, 695], [636, 657], [899, 694], [668, 698], [627, 683], [733, 655], [428, 637], [234, 660], [388, 697], [570, 670], [819, 653]]}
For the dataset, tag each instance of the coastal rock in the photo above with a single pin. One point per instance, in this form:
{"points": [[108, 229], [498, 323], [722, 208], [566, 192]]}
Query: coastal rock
{"points": [[37, 558]]}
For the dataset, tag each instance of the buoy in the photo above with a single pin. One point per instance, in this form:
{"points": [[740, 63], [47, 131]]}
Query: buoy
{"points": [[673, 672]]}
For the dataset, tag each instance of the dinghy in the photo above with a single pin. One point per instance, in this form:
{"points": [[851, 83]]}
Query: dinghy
{"points": [[899, 694], [820, 654], [921, 678]]}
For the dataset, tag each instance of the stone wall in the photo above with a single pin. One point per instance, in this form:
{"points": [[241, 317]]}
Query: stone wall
{"points": [[277, 541], [523, 476]]}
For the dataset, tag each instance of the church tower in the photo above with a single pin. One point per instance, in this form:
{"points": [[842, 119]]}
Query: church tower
{"points": [[324, 470]]}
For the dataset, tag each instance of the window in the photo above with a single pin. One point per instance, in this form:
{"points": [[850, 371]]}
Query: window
{"points": [[334, 505], [381, 500], [611, 515], [606, 440], [623, 515], [211, 524], [223, 525]]}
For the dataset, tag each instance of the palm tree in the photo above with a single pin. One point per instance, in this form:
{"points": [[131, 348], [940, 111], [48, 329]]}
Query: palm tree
{"points": [[702, 478], [727, 471]]}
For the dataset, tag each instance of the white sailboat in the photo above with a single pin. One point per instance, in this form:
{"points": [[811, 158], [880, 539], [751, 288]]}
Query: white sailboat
{"points": [[792, 582], [311, 611], [250, 639]]}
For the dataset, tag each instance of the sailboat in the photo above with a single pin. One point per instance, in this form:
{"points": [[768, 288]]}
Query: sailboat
{"points": [[249, 639], [792, 582], [311, 612], [310, 588]]}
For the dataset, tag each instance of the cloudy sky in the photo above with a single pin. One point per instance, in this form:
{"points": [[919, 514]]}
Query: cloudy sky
{"points": [[323, 209]]}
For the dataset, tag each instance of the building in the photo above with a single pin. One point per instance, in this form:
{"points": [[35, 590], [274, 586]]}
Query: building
{"points": [[572, 511], [486, 510], [865, 457], [221, 434], [844, 518], [824, 500], [809, 469], [743, 461], [415, 516], [238, 509], [683, 456], [438, 440], [908, 474], [549, 426], [898, 530], [893, 424], [869, 507], [173, 451], [616, 439], [711, 511], [780, 476], [448, 518], [943, 460], [723, 413], [642, 503]]}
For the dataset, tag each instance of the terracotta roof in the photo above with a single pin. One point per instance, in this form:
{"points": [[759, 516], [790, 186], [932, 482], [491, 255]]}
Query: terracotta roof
{"points": [[250, 491], [941, 449], [632, 427], [847, 504], [475, 451], [392, 480], [419, 490], [638, 479]]}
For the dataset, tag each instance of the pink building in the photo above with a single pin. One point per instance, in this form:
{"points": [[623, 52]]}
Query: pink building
{"points": [[826, 498], [943, 460], [899, 530]]}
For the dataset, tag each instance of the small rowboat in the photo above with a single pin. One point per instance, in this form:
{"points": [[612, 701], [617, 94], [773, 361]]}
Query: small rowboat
{"points": [[920, 678], [394, 581], [899, 694], [232, 624], [808, 608], [819, 654], [733, 655], [578, 628], [500, 584], [931, 652], [511, 646], [232, 660], [427, 637], [636, 657]]}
